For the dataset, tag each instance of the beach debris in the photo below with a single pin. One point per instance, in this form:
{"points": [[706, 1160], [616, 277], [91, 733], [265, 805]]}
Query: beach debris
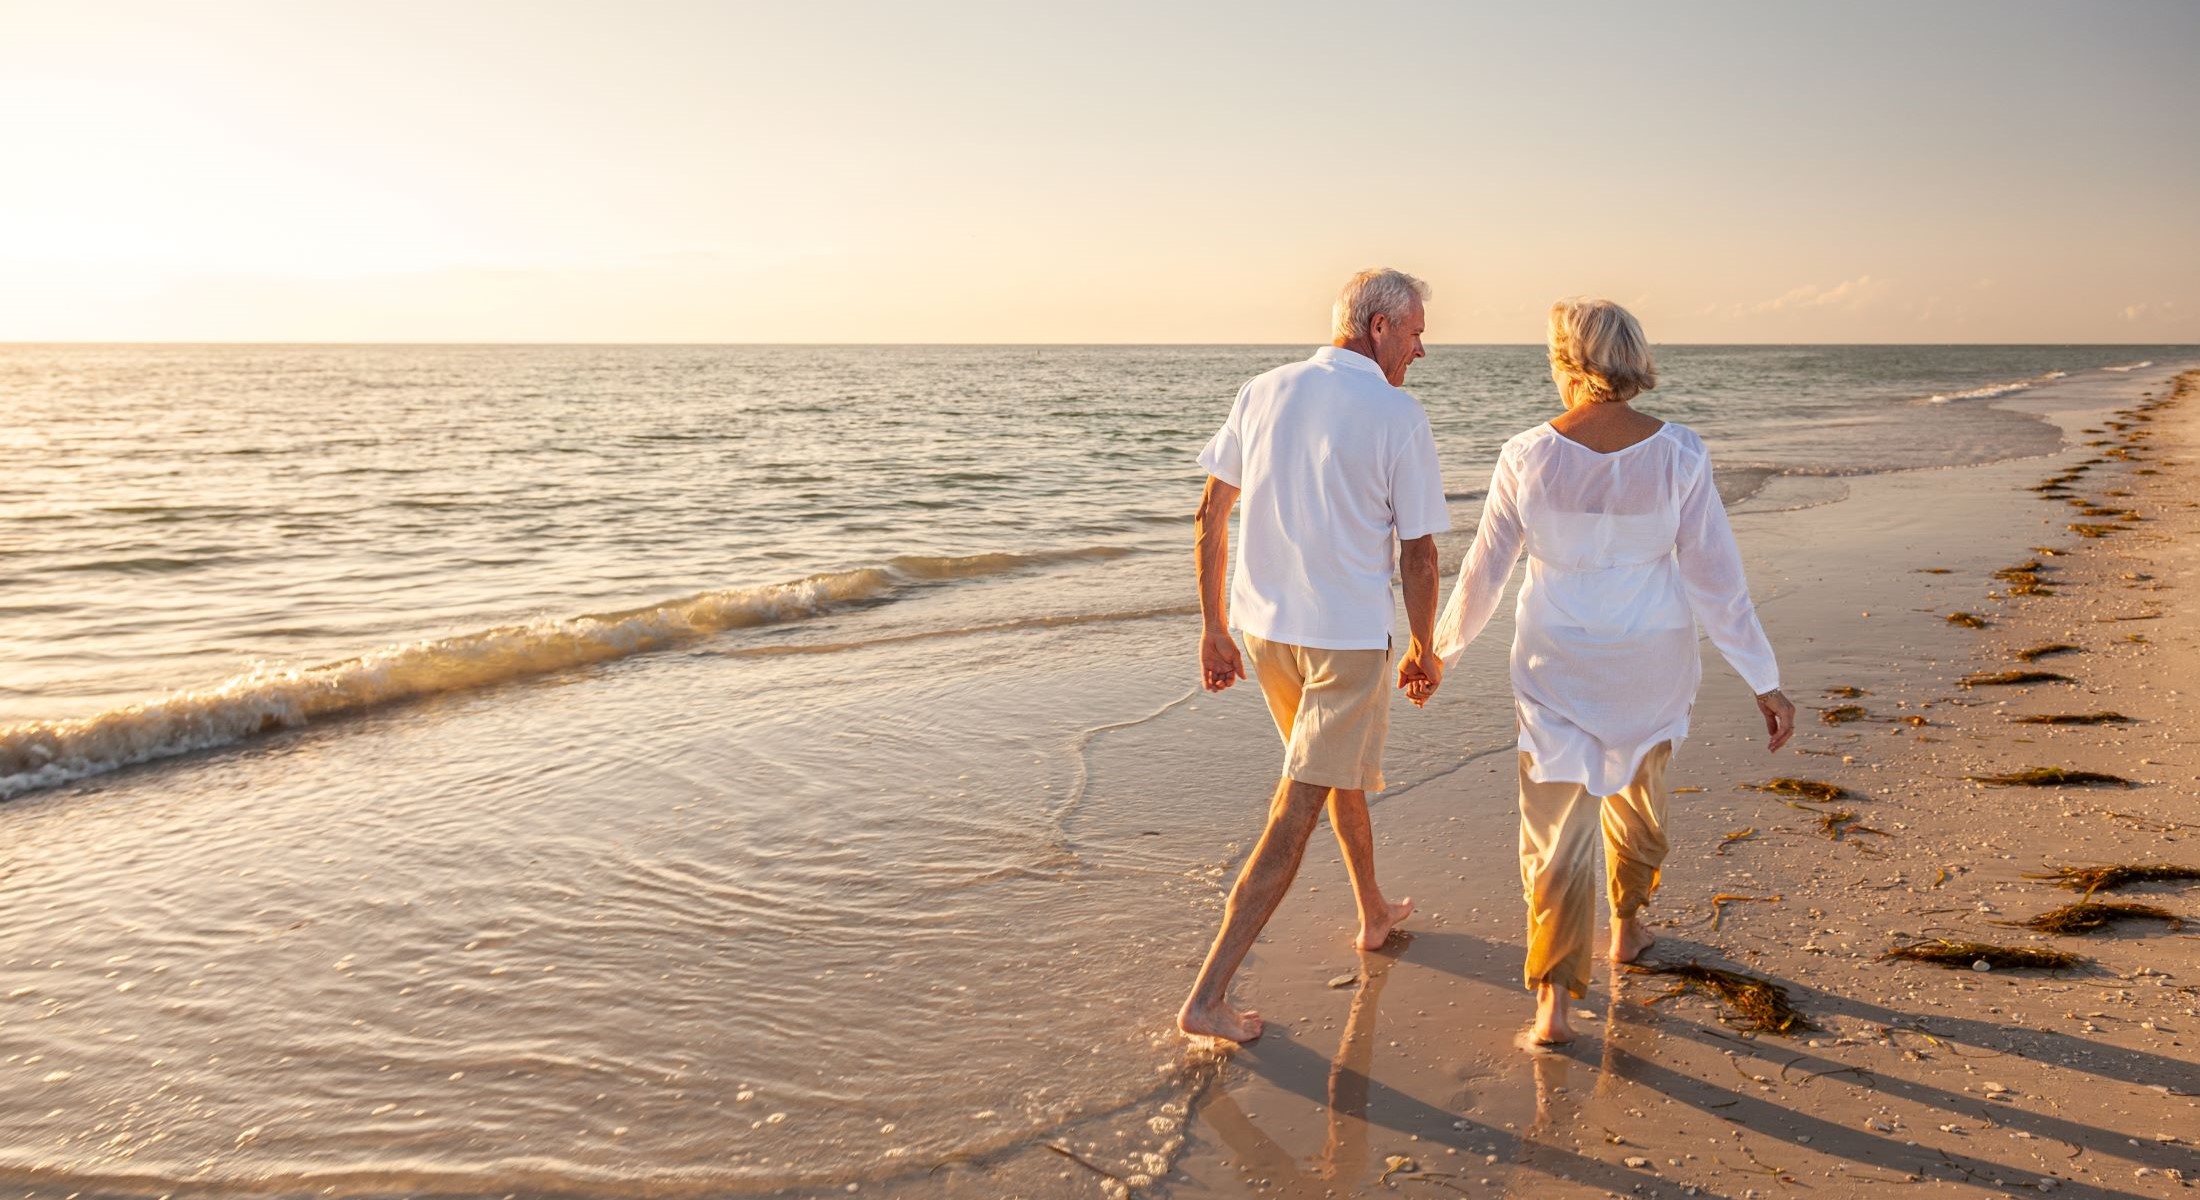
{"points": [[1842, 820], [1846, 692], [1842, 714], [1739, 835], [1934, 571], [2092, 718], [1637, 1161], [2024, 579], [2013, 678], [1689, 791], [1810, 789], [2113, 878], [1955, 955], [1084, 1162], [2049, 777], [2036, 653], [1967, 620], [1345, 980], [2093, 531], [1761, 1003], [1720, 901], [2089, 915], [2049, 551], [1914, 721]]}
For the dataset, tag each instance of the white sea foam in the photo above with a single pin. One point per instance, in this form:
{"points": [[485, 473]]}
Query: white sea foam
{"points": [[41, 754], [1997, 389], [2130, 366]]}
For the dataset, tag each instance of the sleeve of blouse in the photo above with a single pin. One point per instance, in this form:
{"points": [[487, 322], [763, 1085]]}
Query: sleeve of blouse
{"points": [[1711, 572], [1489, 564]]}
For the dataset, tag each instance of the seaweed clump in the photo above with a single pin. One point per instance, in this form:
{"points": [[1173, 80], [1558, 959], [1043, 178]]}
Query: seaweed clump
{"points": [[2092, 718], [1941, 952], [1809, 789], [1967, 620], [2036, 653], [1842, 714], [2013, 678], [2089, 915], [2112, 878], [2049, 777], [1761, 1004], [1842, 820], [1846, 692]]}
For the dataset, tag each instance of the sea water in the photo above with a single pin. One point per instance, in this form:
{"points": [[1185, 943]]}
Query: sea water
{"points": [[682, 770]]}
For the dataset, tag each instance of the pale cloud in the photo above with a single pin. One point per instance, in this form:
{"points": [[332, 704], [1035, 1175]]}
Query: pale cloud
{"points": [[1848, 294], [2133, 312]]}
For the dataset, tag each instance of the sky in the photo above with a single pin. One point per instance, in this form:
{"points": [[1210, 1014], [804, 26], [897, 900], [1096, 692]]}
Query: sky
{"points": [[660, 171]]}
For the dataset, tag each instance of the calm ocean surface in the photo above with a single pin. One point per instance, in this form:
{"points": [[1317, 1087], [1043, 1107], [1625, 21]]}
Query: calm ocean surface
{"points": [[677, 770]]}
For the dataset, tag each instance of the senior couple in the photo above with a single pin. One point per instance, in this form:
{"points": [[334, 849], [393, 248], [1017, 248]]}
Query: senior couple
{"points": [[1628, 553]]}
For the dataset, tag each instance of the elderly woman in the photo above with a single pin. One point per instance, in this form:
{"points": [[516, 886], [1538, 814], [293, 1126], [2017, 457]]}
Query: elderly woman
{"points": [[1628, 551]]}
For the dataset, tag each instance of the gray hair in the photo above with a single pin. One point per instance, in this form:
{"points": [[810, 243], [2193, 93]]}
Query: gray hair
{"points": [[1382, 290]]}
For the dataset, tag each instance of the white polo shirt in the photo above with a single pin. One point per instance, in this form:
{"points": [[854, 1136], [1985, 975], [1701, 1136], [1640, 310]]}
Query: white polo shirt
{"points": [[1333, 463]]}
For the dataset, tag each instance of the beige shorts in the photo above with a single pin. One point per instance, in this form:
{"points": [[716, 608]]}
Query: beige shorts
{"points": [[1332, 708]]}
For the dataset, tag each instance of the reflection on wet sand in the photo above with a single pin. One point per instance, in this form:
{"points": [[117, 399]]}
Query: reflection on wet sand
{"points": [[1344, 1157]]}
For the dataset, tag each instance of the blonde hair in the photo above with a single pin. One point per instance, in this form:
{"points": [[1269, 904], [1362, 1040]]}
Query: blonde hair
{"points": [[1392, 293], [1598, 350]]}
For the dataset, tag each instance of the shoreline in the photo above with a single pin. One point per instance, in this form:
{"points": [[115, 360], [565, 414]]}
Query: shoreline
{"points": [[1417, 1058]]}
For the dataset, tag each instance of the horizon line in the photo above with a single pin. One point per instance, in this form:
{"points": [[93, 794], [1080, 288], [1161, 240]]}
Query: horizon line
{"points": [[14, 344]]}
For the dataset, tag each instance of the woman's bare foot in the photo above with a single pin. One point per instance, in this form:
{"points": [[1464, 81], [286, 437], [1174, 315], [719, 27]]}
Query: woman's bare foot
{"points": [[1551, 1025], [1630, 937], [1217, 1021], [1372, 936]]}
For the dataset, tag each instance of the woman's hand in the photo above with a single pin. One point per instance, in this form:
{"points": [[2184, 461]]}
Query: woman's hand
{"points": [[1779, 718]]}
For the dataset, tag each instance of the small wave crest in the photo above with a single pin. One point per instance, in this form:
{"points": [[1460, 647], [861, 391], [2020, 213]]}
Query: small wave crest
{"points": [[2130, 366], [42, 754], [1996, 389]]}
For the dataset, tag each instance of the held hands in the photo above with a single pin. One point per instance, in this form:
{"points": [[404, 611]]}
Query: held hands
{"points": [[1779, 718], [1219, 664], [1420, 672]]}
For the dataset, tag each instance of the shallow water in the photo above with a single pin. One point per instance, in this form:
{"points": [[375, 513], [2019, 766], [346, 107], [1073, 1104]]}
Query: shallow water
{"points": [[673, 770]]}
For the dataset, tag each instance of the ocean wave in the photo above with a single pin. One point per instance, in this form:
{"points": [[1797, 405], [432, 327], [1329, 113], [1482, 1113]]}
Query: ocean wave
{"points": [[2130, 366], [42, 754], [1996, 389]]}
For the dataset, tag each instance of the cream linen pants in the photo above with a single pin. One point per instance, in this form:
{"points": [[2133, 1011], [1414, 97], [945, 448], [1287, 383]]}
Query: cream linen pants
{"points": [[1558, 824]]}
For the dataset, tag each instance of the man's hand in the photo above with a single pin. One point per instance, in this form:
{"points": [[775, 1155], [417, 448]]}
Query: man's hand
{"points": [[1219, 664], [1419, 673], [1779, 718]]}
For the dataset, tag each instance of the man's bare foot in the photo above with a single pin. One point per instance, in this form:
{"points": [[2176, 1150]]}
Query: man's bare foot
{"points": [[1372, 936], [1551, 1025], [1217, 1021], [1630, 937]]}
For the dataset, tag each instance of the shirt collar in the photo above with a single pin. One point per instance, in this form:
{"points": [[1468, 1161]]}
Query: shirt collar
{"points": [[1342, 357]]}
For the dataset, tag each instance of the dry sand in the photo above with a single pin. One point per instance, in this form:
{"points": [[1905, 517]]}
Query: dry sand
{"points": [[1917, 1079]]}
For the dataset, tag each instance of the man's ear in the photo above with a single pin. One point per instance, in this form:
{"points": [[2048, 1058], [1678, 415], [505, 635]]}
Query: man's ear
{"points": [[1378, 323]]}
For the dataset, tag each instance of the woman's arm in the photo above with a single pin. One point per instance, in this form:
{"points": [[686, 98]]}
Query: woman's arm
{"points": [[1489, 564], [1711, 574]]}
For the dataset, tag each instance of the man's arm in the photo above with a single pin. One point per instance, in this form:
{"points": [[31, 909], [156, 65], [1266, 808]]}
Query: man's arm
{"points": [[1219, 664], [1420, 671]]}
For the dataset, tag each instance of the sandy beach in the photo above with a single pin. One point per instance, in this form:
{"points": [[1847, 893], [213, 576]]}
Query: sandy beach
{"points": [[1401, 1072]]}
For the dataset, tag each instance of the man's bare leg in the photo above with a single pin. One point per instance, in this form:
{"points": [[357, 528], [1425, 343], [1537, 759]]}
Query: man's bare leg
{"points": [[1253, 899], [1356, 837]]}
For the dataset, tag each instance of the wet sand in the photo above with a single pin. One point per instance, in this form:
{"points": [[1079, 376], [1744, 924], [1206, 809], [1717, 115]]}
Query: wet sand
{"points": [[1411, 1078]]}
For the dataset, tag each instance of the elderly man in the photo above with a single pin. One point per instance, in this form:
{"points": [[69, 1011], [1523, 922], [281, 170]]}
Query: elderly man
{"points": [[1332, 461]]}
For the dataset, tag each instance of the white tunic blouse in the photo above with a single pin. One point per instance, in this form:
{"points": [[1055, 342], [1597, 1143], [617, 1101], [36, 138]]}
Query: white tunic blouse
{"points": [[1627, 552]]}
